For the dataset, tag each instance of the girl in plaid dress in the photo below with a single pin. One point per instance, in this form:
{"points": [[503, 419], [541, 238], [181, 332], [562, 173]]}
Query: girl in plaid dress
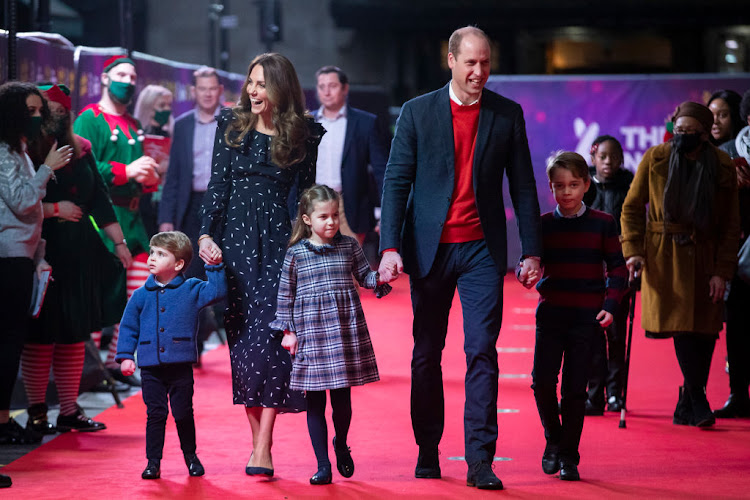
{"points": [[324, 326]]}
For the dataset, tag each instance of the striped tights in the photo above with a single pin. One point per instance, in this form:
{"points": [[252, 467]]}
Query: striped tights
{"points": [[66, 361]]}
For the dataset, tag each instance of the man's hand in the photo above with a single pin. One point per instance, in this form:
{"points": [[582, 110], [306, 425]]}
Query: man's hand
{"points": [[210, 252], [289, 342], [530, 271], [143, 170], [635, 264], [717, 286], [166, 226], [390, 267], [604, 318], [127, 367]]}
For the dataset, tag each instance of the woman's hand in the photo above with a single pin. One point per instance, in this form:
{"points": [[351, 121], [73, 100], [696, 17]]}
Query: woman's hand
{"points": [[41, 267], [635, 264], [123, 253], [604, 318], [58, 157], [289, 342], [143, 170], [127, 367], [69, 211], [716, 288], [209, 251]]}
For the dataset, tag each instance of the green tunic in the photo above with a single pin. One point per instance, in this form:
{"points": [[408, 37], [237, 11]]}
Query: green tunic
{"points": [[112, 156]]}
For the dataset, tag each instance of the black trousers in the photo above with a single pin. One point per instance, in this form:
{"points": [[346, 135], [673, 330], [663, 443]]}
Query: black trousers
{"points": [[173, 383], [569, 346], [15, 299], [608, 357], [468, 268], [738, 337]]}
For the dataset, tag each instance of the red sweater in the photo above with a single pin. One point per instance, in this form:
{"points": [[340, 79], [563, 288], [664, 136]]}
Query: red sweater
{"points": [[462, 222]]}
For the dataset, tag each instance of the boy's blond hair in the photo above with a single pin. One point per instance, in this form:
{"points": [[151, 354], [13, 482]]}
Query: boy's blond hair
{"points": [[570, 161], [176, 242]]}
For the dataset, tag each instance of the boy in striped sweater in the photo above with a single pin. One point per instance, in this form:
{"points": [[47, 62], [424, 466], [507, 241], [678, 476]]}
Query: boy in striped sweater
{"points": [[583, 280]]}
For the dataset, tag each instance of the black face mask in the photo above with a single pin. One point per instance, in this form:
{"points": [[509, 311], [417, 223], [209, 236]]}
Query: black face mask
{"points": [[59, 128], [686, 143]]}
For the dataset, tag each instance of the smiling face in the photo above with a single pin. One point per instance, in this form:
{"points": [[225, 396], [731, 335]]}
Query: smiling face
{"points": [[163, 264], [568, 190], [323, 221], [721, 130], [256, 90], [470, 67], [607, 160]]}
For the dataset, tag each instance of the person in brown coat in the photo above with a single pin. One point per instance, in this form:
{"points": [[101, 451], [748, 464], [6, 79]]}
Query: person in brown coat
{"points": [[686, 247]]}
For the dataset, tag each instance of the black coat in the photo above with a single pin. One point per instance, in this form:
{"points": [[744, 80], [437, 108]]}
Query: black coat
{"points": [[609, 196]]}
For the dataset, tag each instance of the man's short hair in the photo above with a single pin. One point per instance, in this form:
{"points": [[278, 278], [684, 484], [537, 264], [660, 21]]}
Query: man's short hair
{"points": [[454, 42], [343, 79], [569, 160], [176, 242], [205, 72]]}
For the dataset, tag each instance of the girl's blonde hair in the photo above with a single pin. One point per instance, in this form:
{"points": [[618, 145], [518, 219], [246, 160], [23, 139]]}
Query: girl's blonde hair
{"points": [[144, 106], [319, 193], [285, 95]]}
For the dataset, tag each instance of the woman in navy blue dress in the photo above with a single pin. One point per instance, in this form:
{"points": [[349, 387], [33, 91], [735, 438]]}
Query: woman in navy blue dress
{"points": [[265, 148]]}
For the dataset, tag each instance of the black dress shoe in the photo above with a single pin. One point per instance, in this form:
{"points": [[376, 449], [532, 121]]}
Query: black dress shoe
{"points": [[428, 464], [78, 422], [735, 407], [344, 462], [482, 477], [323, 476], [12, 433], [569, 471], [5, 481], [38, 419], [195, 467], [550, 462], [152, 470]]}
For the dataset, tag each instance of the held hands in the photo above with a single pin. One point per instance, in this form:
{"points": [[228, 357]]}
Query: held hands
{"points": [[717, 286], [530, 271], [58, 157], [143, 170], [289, 342], [604, 318], [635, 264], [209, 251], [390, 267], [127, 367]]}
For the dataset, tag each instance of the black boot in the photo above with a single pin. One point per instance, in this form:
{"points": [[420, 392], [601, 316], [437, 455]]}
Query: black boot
{"points": [[38, 419], [152, 470], [702, 414], [735, 407], [683, 412]]}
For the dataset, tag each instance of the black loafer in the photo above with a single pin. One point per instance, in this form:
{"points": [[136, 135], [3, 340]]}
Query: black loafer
{"points": [[78, 422], [735, 407], [482, 477], [428, 464], [152, 470], [12, 433], [5, 481], [569, 471], [195, 467], [323, 476], [344, 462], [550, 462]]}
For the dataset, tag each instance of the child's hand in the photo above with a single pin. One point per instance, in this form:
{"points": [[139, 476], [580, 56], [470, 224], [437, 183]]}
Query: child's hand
{"points": [[128, 367], [289, 342], [604, 318]]}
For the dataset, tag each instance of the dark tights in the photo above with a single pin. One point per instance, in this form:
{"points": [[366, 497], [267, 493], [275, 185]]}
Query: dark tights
{"points": [[341, 404], [694, 352]]}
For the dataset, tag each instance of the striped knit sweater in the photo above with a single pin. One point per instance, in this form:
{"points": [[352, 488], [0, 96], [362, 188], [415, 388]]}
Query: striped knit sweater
{"points": [[584, 270]]}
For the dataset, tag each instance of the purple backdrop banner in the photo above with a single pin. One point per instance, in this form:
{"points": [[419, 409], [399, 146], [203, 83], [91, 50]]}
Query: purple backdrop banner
{"points": [[569, 112], [40, 60]]}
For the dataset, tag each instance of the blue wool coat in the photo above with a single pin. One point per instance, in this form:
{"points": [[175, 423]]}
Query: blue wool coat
{"points": [[161, 323]]}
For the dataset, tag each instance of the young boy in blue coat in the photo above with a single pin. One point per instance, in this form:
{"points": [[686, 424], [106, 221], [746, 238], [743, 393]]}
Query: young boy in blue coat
{"points": [[160, 323]]}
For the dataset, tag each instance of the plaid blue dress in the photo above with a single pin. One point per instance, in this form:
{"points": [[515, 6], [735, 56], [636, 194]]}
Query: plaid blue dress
{"points": [[319, 302]]}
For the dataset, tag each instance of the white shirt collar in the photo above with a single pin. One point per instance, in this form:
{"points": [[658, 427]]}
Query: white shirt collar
{"points": [[580, 212], [455, 98], [341, 114]]}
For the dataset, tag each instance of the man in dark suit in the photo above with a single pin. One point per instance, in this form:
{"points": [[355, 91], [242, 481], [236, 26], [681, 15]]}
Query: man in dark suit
{"points": [[443, 211], [353, 141]]}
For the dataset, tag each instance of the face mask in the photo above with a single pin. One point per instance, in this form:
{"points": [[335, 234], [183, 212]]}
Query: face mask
{"points": [[59, 128], [121, 91], [162, 117], [34, 129], [686, 143]]}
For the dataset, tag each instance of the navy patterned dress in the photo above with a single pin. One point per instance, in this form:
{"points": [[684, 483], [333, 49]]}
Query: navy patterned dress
{"points": [[246, 212], [319, 302]]}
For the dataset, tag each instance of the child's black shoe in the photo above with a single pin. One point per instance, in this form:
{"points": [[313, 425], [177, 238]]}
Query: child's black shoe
{"points": [[344, 462], [323, 476], [195, 467], [152, 470]]}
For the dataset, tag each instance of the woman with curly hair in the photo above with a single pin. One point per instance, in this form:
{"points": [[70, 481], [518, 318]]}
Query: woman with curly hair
{"points": [[264, 157]]}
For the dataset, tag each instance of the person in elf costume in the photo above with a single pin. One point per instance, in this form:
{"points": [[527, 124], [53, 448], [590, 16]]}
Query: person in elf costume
{"points": [[116, 139]]}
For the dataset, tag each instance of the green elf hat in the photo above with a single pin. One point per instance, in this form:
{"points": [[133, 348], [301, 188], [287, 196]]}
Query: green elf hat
{"points": [[115, 60]]}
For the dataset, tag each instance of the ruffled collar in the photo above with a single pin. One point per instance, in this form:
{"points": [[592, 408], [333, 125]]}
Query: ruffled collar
{"points": [[321, 249]]}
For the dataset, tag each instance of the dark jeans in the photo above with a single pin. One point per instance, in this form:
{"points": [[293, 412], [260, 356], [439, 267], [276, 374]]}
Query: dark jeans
{"points": [[569, 345], [15, 299], [608, 357], [176, 383], [738, 337], [469, 268]]}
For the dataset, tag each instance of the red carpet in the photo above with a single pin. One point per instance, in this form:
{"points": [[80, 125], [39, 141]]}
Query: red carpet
{"points": [[651, 458]]}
